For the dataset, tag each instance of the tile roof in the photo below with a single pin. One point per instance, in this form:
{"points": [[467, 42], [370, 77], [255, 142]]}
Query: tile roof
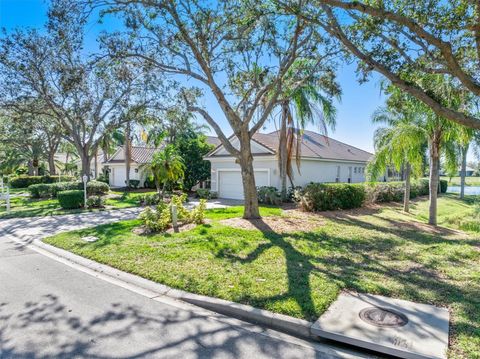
{"points": [[316, 145], [144, 154]]}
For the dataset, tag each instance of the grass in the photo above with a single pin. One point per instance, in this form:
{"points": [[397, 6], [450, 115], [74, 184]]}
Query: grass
{"points": [[28, 207], [469, 181], [379, 250]]}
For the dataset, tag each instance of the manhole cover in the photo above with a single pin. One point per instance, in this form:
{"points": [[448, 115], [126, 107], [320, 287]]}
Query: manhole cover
{"points": [[383, 317]]}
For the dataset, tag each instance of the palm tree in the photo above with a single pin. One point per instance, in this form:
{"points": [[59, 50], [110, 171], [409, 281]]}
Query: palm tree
{"points": [[440, 133], [399, 145], [304, 105], [166, 166]]}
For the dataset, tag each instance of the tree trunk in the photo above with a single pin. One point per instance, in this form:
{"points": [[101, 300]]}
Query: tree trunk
{"points": [[406, 195], [35, 164], [433, 182], [30, 168], [51, 164], [282, 154], [463, 171], [96, 163], [128, 155], [251, 209], [86, 159]]}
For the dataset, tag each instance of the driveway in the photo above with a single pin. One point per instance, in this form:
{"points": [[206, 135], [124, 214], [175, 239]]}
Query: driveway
{"points": [[49, 309]]}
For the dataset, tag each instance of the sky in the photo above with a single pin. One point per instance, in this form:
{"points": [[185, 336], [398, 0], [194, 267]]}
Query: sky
{"points": [[353, 112]]}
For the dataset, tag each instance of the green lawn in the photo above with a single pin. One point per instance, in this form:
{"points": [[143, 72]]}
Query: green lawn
{"points": [[469, 181], [28, 207], [379, 250]]}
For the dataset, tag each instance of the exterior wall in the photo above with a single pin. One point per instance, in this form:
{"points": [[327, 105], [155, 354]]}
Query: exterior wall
{"points": [[311, 170], [117, 170], [256, 148]]}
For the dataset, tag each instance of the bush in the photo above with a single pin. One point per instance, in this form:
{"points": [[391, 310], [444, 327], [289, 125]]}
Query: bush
{"points": [[160, 218], [381, 192], [40, 190], [55, 188], [150, 199], [156, 220], [149, 183], [269, 195], [197, 215], [95, 202], [443, 186], [26, 181], [103, 177], [323, 196], [133, 183], [71, 199], [51, 190], [204, 193], [96, 188]]}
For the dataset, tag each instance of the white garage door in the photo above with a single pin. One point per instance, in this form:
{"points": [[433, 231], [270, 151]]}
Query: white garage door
{"points": [[119, 176], [230, 183]]}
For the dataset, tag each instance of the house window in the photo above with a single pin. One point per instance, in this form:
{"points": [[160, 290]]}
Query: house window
{"points": [[338, 174], [355, 170]]}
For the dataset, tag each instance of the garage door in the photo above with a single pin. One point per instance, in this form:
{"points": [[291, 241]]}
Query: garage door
{"points": [[119, 176], [230, 183]]}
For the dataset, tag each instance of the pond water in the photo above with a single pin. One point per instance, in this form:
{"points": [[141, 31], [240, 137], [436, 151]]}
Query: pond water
{"points": [[469, 190]]}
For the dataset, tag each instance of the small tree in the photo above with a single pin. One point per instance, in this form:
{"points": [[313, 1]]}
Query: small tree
{"points": [[166, 167], [398, 145]]}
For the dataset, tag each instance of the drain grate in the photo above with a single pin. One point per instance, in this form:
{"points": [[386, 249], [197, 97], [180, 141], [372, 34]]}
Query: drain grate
{"points": [[383, 317]]}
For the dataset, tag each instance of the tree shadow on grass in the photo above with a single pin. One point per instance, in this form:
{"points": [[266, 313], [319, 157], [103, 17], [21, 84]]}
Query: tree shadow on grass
{"points": [[377, 265]]}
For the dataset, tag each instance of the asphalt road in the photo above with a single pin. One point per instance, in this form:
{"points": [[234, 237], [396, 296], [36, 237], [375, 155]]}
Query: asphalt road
{"points": [[52, 310]]}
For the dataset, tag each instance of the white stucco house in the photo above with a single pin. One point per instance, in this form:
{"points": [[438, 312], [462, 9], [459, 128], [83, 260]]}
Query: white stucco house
{"points": [[117, 168], [139, 157], [323, 159]]}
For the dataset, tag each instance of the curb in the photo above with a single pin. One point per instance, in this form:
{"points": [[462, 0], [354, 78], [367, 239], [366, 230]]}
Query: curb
{"points": [[296, 327]]}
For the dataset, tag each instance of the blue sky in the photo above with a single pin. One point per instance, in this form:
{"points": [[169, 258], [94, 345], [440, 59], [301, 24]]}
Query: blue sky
{"points": [[353, 113]]}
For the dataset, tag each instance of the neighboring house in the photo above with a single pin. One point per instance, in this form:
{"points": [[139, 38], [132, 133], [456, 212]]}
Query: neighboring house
{"points": [[118, 171], [323, 159], [139, 157], [468, 172]]}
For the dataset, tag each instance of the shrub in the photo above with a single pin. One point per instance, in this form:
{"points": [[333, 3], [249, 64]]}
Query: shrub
{"points": [[26, 181], [133, 183], [213, 195], [150, 199], [71, 199], [269, 195], [95, 188], [182, 212], [293, 193], [197, 215], [156, 220], [160, 218], [323, 197], [103, 178], [95, 202], [443, 186], [204, 193], [55, 188], [40, 190], [381, 192]]}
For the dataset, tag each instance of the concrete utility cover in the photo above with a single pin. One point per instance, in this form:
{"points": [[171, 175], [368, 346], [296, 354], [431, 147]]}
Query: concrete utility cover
{"points": [[391, 326]]}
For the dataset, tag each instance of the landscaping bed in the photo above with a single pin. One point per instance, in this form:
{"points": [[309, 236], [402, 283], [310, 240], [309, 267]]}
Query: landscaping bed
{"points": [[377, 250]]}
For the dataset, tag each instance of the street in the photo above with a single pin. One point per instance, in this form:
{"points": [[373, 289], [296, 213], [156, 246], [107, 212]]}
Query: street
{"points": [[50, 310]]}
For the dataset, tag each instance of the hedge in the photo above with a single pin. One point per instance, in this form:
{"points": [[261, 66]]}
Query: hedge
{"points": [[71, 199], [97, 188], [26, 181], [332, 196], [94, 188], [324, 196]]}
